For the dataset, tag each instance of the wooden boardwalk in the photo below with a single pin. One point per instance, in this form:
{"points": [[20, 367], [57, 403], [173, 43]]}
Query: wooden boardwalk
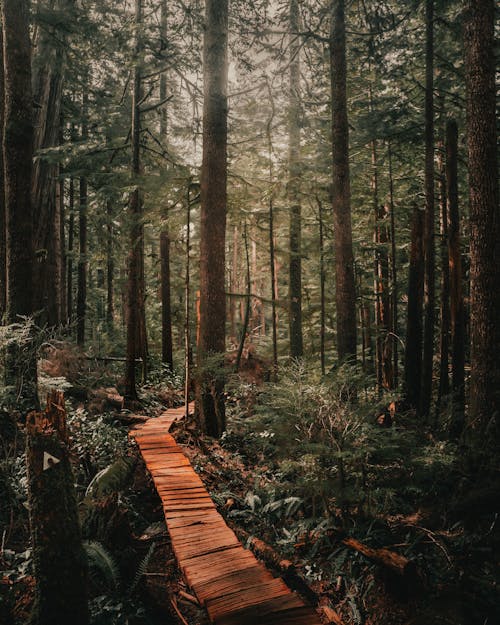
{"points": [[234, 587]]}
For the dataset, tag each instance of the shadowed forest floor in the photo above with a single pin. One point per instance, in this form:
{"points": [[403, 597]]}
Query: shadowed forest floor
{"points": [[270, 483]]}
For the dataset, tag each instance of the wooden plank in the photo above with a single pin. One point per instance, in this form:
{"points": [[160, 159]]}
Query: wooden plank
{"points": [[235, 588]]}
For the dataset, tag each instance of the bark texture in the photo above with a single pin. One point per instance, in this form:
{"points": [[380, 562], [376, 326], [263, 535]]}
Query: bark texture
{"points": [[413, 353], [166, 312], [484, 216], [457, 309], [60, 562], [345, 288], [429, 250], [18, 170], [294, 166], [209, 393]]}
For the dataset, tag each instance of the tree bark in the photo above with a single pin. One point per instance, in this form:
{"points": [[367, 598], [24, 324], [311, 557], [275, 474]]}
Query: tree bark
{"points": [[48, 79], [3, 255], [429, 251], [322, 287], [484, 217], [71, 235], [210, 408], [295, 277], [444, 339], [81, 297], [110, 268], [394, 275], [345, 292], [135, 284], [166, 313], [18, 170], [413, 351], [457, 310], [60, 562]]}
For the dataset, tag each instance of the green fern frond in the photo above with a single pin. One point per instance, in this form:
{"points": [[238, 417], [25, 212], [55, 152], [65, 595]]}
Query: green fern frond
{"points": [[102, 565]]}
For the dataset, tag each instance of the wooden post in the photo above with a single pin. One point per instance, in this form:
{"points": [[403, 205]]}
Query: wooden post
{"points": [[60, 561]]}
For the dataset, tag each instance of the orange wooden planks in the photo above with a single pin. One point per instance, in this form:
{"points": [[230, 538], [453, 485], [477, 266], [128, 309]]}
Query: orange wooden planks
{"points": [[228, 580]]}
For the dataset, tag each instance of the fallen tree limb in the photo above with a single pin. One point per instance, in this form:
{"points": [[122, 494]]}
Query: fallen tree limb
{"points": [[384, 557]]}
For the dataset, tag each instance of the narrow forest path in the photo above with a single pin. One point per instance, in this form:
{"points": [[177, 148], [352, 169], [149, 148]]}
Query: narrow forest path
{"points": [[234, 587]]}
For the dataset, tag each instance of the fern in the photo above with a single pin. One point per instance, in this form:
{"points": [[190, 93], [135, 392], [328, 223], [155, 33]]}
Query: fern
{"points": [[143, 567], [102, 565]]}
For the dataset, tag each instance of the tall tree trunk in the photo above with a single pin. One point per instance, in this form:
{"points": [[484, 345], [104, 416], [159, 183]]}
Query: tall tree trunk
{"points": [[110, 268], [166, 313], [135, 301], [457, 310], [209, 392], [18, 169], [345, 292], [413, 351], [234, 284], [272, 259], [383, 301], [3, 256], [48, 79], [444, 340], [245, 328], [429, 251], [60, 562], [71, 235], [394, 276], [167, 349], [62, 250], [322, 287], [295, 281], [81, 297], [484, 217]]}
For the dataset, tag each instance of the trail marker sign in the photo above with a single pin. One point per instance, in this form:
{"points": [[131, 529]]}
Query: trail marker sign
{"points": [[49, 461]]}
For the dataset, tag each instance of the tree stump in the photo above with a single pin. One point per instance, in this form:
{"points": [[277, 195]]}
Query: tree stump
{"points": [[60, 562]]}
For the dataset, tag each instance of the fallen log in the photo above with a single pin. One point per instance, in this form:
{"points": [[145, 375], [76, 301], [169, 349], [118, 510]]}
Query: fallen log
{"points": [[391, 560], [288, 572]]}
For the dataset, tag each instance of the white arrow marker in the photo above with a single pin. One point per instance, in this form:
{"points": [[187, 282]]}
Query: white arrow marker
{"points": [[49, 461]]}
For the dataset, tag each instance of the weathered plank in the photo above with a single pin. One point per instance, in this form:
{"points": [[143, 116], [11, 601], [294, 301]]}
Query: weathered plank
{"points": [[228, 580]]}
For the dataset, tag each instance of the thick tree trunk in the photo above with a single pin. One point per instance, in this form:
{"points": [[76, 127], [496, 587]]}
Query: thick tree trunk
{"points": [[209, 392], [295, 279], [484, 217], [18, 169], [3, 255], [345, 292], [166, 333], [48, 78], [166, 313], [457, 310], [135, 300], [60, 562], [429, 251], [413, 351]]}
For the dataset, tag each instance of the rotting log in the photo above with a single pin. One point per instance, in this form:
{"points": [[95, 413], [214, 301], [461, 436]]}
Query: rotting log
{"points": [[60, 562]]}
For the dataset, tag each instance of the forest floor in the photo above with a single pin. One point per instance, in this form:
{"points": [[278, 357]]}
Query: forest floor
{"points": [[269, 482]]}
